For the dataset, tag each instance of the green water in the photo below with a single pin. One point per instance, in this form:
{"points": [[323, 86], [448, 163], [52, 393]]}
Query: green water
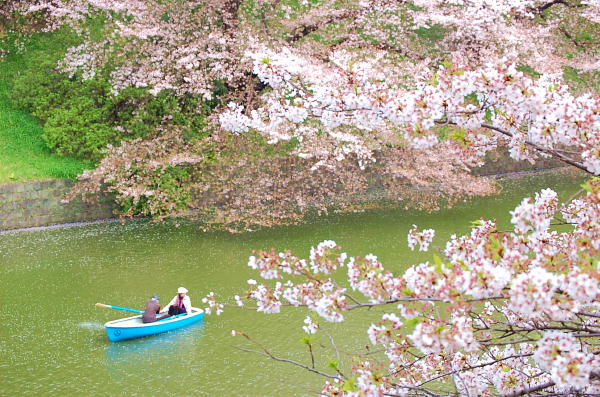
{"points": [[52, 341]]}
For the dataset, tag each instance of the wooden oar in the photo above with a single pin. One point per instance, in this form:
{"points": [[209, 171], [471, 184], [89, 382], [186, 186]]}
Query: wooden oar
{"points": [[119, 308]]}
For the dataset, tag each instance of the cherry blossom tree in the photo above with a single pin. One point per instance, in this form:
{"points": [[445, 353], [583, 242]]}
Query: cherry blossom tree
{"points": [[369, 57], [235, 183], [499, 312]]}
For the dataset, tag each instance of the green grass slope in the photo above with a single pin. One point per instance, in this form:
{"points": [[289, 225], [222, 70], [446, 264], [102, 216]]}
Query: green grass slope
{"points": [[24, 155]]}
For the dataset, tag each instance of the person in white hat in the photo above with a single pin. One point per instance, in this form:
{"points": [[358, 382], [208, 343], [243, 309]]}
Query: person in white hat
{"points": [[179, 304]]}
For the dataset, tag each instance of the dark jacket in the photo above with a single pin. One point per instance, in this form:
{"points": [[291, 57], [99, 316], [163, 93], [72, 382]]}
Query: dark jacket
{"points": [[152, 307]]}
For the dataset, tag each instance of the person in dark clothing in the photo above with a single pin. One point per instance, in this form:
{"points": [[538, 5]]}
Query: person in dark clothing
{"points": [[152, 308]]}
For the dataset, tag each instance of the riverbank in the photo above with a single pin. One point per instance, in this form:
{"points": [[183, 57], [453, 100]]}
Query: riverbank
{"points": [[38, 205]]}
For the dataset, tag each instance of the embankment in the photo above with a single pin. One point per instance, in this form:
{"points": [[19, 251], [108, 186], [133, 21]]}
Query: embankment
{"points": [[31, 204], [34, 204]]}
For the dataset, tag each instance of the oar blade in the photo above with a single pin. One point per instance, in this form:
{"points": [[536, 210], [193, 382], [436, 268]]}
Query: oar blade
{"points": [[126, 309]]}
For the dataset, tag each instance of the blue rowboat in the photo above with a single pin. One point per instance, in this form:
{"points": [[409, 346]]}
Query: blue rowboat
{"points": [[133, 327]]}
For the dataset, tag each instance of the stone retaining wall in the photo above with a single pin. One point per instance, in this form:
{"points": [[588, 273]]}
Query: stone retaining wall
{"points": [[31, 204]]}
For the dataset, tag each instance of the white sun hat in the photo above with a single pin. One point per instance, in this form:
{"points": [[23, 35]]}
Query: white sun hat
{"points": [[182, 290]]}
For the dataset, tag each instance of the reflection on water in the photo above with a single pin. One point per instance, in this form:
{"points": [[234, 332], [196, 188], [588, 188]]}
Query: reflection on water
{"points": [[160, 362], [162, 349]]}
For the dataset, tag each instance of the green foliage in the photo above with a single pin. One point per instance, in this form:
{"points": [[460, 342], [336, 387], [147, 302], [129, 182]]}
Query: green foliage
{"points": [[579, 80], [173, 185], [81, 117], [260, 146], [333, 364], [528, 70], [350, 385], [409, 325], [307, 339], [24, 156], [432, 34]]}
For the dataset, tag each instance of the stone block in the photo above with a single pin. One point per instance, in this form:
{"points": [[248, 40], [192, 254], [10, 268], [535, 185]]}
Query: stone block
{"points": [[28, 203], [21, 187], [8, 188], [4, 197], [42, 220], [23, 223], [35, 186], [10, 197], [62, 184], [9, 206], [46, 184], [35, 194], [45, 193], [12, 215], [6, 224]]}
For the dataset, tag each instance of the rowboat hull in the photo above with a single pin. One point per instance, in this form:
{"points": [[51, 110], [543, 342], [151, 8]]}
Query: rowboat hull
{"points": [[133, 327]]}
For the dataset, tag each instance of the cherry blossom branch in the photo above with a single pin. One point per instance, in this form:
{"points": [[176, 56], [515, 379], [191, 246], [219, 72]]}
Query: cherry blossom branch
{"points": [[267, 353], [533, 389], [286, 360], [302, 31], [544, 7], [415, 388], [446, 374], [312, 357], [551, 152], [474, 316]]}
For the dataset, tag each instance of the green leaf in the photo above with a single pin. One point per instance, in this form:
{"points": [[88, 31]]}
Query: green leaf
{"points": [[407, 291], [499, 111], [434, 80], [439, 265], [333, 364], [587, 186], [307, 339], [476, 223], [350, 385], [472, 98], [488, 116], [528, 70], [409, 325]]}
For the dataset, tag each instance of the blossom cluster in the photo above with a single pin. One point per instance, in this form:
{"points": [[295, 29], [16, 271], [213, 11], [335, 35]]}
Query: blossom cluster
{"points": [[423, 238], [537, 214], [515, 317], [213, 304], [561, 355], [528, 115], [179, 48]]}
